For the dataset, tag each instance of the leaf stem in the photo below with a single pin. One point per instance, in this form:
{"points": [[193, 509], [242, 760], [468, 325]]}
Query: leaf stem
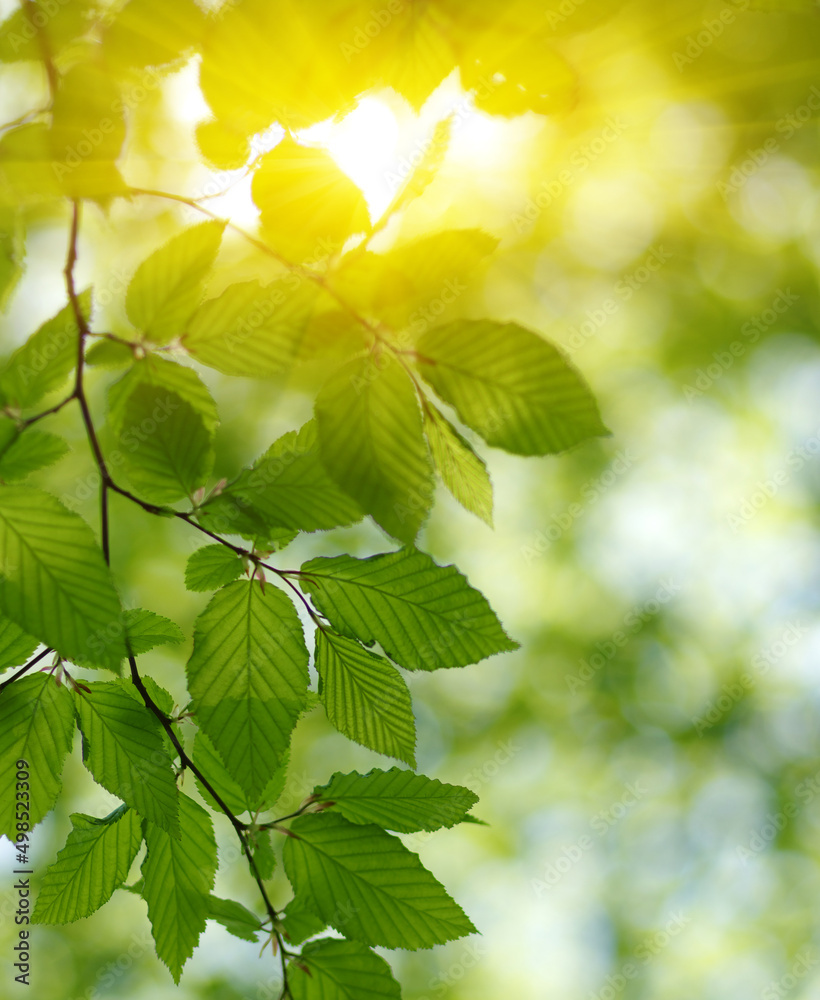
{"points": [[47, 413], [25, 669]]}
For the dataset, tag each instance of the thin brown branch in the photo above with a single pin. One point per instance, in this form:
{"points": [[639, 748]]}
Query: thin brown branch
{"points": [[109, 485], [25, 669]]}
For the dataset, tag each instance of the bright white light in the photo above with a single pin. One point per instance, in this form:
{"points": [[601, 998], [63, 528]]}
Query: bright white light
{"points": [[364, 145]]}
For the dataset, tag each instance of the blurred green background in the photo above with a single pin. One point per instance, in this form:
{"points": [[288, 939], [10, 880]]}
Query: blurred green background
{"points": [[648, 761]]}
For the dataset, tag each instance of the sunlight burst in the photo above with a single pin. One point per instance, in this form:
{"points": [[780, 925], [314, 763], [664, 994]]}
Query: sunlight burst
{"points": [[364, 144]]}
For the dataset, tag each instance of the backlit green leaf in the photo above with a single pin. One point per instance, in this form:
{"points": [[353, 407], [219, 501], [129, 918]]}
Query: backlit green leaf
{"points": [[248, 677], [36, 726], [123, 749], [15, 645], [366, 884], [234, 917], [365, 697], [518, 391], [44, 362], [165, 445], [397, 800], [212, 567], [227, 788], [462, 471], [146, 630], [299, 923], [370, 435], [425, 616], [55, 584], [161, 374], [308, 205], [167, 286], [342, 970], [253, 330], [179, 877], [30, 451], [289, 487], [95, 861]]}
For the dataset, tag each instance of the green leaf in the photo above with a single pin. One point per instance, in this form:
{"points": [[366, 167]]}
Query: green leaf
{"points": [[150, 33], [413, 284], [248, 677], [299, 923], [212, 567], [167, 287], [518, 391], [16, 646], [210, 764], [165, 445], [179, 876], [37, 726], [55, 582], [226, 787], [12, 244], [425, 616], [175, 378], [288, 487], [146, 630], [342, 970], [234, 917], [365, 697], [95, 861], [87, 103], [527, 74], [30, 451], [307, 204], [123, 749], [44, 362], [397, 800], [371, 440], [366, 884], [25, 161], [109, 354], [163, 699], [253, 330], [463, 472], [419, 51]]}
